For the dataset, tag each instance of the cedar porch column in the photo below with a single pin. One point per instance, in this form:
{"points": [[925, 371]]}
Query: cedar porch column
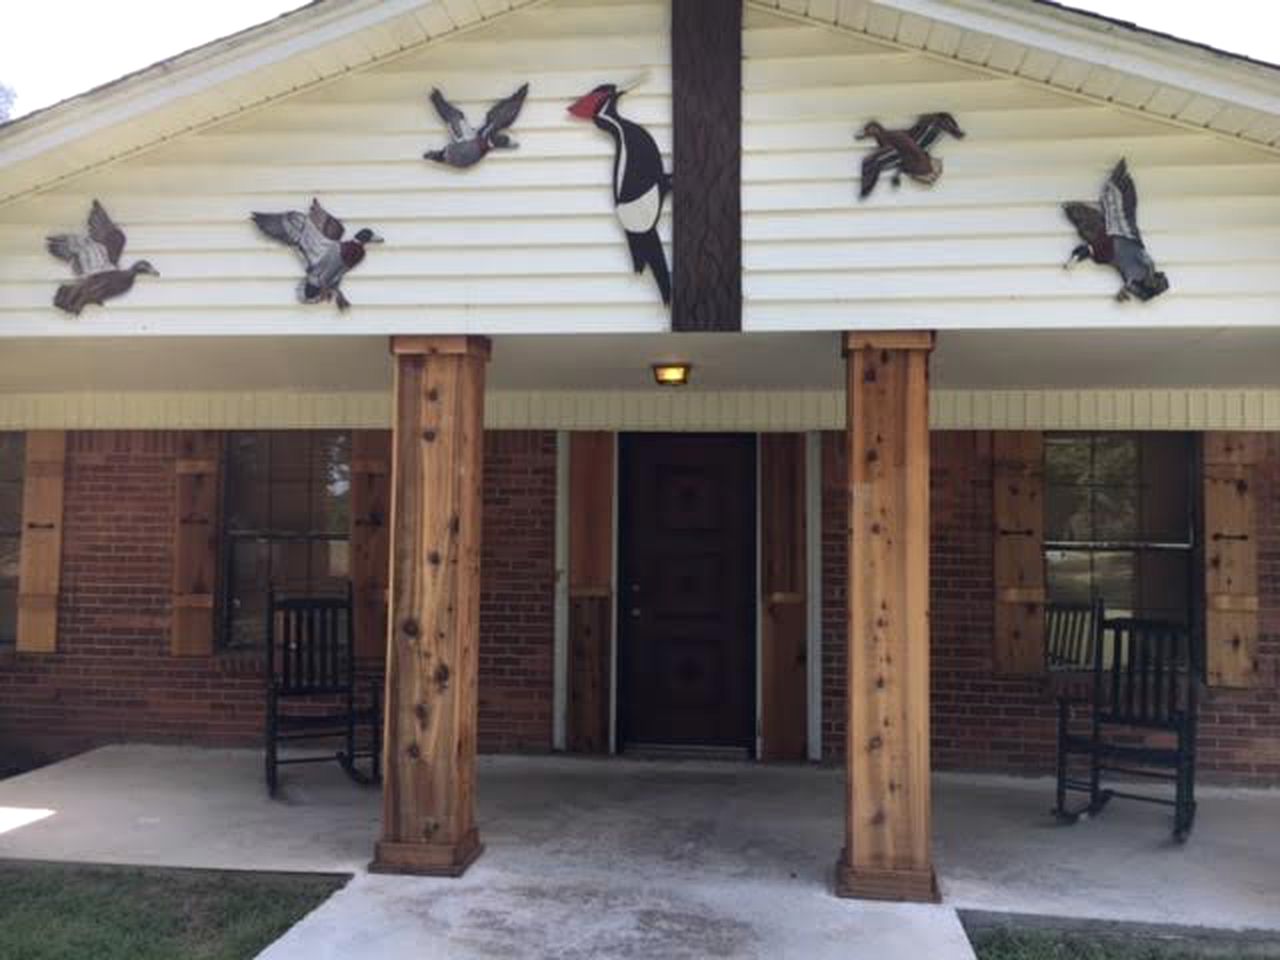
{"points": [[887, 850], [428, 810]]}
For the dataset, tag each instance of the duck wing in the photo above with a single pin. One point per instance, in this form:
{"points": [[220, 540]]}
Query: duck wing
{"points": [[930, 126], [295, 229], [875, 163], [504, 113], [85, 255], [925, 131], [103, 230], [1120, 204], [459, 127], [329, 225], [1088, 221]]}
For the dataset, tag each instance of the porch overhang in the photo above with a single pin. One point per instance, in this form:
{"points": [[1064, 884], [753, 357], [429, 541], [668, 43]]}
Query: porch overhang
{"points": [[1196, 379]]}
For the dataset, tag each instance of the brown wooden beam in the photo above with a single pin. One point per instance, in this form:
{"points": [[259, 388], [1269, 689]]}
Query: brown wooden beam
{"points": [[370, 538], [706, 107], [784, 588], [434, 633], [40, 551], [591, 458], [887, 849]]}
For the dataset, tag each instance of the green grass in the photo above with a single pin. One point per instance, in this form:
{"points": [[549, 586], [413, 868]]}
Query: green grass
{"points": [[1007, 945], [74, 911]]}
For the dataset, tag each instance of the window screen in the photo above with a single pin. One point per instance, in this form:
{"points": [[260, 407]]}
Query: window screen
{"points": [[1119, 522], [286, 523]]}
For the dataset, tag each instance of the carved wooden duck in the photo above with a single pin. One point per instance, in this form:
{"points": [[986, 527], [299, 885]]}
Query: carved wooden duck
{"points": [[905, 151], [1111, 236], [468, 146], [96, 260], [316, 236]]}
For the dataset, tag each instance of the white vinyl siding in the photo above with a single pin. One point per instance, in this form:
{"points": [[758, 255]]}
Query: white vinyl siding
{"points": [[528, 242]]}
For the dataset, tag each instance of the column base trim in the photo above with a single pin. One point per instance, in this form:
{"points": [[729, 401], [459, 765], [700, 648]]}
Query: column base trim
{"points": [[427, 859], [919, 885]]}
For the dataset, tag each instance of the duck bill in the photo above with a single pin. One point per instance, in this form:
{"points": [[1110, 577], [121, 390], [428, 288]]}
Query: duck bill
{"points": [[587, 106], [375, 239]]}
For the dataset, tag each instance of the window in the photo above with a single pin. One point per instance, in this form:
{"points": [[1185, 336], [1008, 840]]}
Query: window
{"points": [[1119, 522], [12, 461], [286, 522]]}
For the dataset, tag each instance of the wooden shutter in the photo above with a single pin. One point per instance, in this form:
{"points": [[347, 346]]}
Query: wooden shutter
{"points": [[1231, 557], [196, 534], [783, 582], [591, 456], [1018, 512], [40, 563], [370, 538]]}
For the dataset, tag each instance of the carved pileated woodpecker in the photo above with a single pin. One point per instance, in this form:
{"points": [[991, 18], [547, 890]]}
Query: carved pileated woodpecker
{"points": [[639, 183]]}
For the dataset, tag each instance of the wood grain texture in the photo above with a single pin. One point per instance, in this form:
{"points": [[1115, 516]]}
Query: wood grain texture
{"points": [[591, 550], [706, 103], [784, 594], [197, 474], [1018, 539], [1231, 557], [40, 550], [370, 538], [590, 664], [433, 644], [887, 842], [591, 463]]}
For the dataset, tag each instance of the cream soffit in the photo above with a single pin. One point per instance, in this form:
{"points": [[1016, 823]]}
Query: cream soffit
{"points": [[1074, 52], [772, 364], [794, 410], [294, 52]]}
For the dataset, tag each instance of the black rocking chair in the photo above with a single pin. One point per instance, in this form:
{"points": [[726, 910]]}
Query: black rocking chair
{"points": [[1144, 690], [1070, 630], [311, 663]]}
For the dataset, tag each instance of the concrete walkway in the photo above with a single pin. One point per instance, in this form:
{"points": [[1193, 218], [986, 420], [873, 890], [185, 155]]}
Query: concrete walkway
{"points": [[630, 858]]}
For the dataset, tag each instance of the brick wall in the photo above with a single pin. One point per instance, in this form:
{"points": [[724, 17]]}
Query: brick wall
{"points": [[517, 596], [112, 678], [1006, 724]]}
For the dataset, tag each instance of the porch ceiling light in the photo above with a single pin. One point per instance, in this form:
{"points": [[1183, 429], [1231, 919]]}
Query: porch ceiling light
{"points": [[671, 374]]}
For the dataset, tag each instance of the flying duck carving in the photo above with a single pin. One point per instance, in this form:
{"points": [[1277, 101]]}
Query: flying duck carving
{"points": [[316, 236], [95, 259], [467, 146], [905, 151], [640, 186], [1110, 234]]}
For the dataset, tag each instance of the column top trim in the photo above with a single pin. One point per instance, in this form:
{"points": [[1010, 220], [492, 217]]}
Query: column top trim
{"points": [[888, 340], [443, 346]]}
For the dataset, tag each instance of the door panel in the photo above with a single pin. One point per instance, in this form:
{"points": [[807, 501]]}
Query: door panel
{"points": [[687, 597]]}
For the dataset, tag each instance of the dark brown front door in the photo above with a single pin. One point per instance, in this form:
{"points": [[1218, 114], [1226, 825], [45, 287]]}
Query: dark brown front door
{"points": [[687, 589]]}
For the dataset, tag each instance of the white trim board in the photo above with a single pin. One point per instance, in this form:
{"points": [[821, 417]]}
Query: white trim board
{"points": [[754, 411]]}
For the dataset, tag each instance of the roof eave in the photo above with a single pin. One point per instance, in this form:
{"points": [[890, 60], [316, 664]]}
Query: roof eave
{"points": [[1107, 43], [169, 81]]}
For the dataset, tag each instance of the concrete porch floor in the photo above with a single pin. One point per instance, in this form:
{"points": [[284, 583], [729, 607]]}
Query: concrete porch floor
{"points": [[618, 857]]}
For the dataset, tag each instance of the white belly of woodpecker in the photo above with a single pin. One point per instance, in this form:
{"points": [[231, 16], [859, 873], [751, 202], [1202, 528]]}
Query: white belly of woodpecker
{"points": [[640, 215]]}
